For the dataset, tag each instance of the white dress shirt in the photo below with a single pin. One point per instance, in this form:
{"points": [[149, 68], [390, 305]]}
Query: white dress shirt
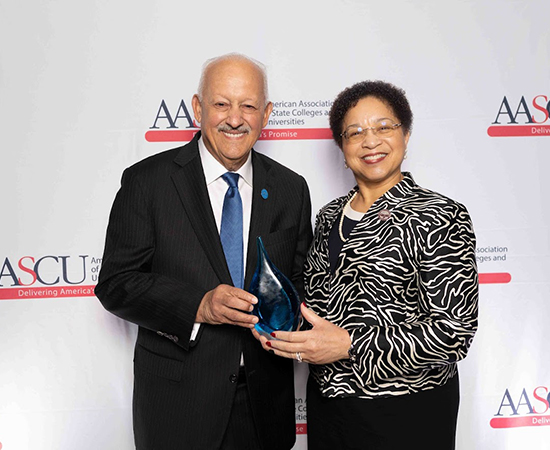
{"points": [[217, 187]]}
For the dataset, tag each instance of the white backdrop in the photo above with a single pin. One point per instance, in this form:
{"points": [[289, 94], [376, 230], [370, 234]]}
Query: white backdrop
{"points": [[81, 83]]}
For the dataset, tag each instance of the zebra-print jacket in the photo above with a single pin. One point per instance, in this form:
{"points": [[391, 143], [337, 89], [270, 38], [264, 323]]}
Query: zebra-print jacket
{"points": [[405, 287]]}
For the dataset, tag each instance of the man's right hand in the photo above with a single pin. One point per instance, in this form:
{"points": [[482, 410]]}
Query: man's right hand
{"points": [[229, 305]]}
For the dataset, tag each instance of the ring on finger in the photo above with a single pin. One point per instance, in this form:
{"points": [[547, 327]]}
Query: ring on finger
{"points": [[299, 357]]}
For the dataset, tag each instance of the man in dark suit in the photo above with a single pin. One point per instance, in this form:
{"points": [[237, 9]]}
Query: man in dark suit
{"points": [[201, 380]]}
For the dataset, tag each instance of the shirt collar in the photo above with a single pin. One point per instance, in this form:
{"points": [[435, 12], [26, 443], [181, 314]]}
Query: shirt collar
{"points": [[213, 169]]}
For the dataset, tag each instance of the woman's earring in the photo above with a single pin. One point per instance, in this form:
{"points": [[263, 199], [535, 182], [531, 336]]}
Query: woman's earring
{"points": [[346, 164]]}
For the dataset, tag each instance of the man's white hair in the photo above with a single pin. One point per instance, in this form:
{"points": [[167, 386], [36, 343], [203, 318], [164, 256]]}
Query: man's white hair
{"points": [[232, 56]]}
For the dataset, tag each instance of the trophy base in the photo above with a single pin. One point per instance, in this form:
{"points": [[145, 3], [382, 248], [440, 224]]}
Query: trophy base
{"points": [[266, 330]]}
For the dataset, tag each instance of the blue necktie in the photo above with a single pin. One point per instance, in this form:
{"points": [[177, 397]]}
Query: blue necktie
{"points": [[231, 230]]}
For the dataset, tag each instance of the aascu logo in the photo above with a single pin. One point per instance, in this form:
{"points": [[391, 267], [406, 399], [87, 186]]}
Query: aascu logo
{"points": [[48, 276], [518, 118], [523, 410]]}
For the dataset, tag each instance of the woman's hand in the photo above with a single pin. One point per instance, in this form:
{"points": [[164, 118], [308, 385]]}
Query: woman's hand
{"points": [[323, 344]]}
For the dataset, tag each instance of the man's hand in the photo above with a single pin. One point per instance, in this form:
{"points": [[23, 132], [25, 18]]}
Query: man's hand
{"points": [[227, 304]]}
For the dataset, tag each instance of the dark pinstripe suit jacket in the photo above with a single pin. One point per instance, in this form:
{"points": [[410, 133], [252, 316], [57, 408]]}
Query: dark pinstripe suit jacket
{"points": [[162, 254]]}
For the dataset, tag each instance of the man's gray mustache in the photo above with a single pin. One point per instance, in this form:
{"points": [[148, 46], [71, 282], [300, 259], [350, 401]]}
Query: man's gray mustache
{"points": [[229, 129]]}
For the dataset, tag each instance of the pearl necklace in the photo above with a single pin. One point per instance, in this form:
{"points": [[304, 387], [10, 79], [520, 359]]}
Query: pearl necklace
{"points": [[342, 216]]}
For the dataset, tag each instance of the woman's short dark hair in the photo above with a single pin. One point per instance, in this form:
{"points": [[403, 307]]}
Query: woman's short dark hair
{"points": [[391, 95]]}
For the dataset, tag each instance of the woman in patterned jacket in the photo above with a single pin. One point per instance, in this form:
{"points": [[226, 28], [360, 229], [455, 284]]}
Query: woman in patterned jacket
{"points": [[391, 292]]}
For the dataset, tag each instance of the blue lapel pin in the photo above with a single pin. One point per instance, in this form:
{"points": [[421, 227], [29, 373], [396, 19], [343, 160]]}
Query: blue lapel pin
{"points": [[264, 194]]}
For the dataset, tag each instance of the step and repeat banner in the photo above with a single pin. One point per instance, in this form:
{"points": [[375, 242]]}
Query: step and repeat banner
{"points": [[89, 88]]}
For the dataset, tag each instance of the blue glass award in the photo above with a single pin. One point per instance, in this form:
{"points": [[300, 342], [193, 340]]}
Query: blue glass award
{"points": [[278, 306]]}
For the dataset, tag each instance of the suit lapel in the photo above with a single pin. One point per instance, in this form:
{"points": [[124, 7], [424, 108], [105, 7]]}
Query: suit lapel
{"points": [[262, 209], [191, 186]]}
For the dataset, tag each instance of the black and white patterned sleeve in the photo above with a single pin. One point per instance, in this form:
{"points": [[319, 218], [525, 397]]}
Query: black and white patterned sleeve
{"points": [[447, 304]]}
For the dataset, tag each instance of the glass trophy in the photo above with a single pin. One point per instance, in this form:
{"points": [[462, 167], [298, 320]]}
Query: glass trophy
{"points": [[278, 306]]}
